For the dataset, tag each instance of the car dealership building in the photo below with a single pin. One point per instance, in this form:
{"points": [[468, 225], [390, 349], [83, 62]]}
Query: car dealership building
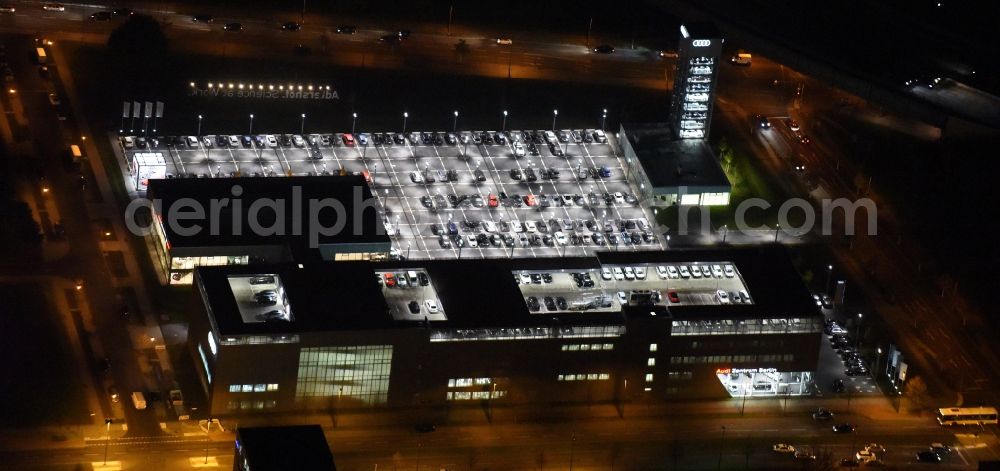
{"points": [[614, 327]]}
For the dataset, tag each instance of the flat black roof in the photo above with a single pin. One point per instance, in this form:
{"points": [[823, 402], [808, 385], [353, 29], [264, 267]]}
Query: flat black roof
{"points": [[672, 163], [347, 296], [298, 447], [348, 190], [482, 293]]}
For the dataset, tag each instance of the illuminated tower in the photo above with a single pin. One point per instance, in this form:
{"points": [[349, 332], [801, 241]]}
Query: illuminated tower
{"points": [[698, 53]]}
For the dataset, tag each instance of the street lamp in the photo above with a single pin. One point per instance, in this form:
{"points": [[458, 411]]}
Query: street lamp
{"points": [[405, 115], [878, 356], [725, 232], [829, 273], [354, 119], [555, 114], [503, 127], [858, 333], [777, 228], [107, 440], [604, 118], [454, 123], [250, 132], [721, 446], [199, 126], [302, 128]]}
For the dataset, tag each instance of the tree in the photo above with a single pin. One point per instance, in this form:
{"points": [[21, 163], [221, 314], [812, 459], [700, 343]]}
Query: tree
{"points": [[916, 392], [139, 43]]}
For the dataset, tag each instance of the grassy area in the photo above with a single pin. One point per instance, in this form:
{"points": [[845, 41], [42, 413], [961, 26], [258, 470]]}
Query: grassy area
{"points": [[40, 386], [749, 180]]}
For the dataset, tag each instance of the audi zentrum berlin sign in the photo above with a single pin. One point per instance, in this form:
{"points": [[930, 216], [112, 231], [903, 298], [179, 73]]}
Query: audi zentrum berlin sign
{"points": [[701, 42]]}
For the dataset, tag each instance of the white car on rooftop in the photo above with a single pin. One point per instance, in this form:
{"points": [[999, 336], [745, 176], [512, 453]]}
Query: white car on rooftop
{"points": [[518, 149]]}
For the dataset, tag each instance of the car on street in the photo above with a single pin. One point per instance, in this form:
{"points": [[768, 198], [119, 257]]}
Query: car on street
{"points": [[604, 49], [202, 18], [805, 455], [864, 456], [291, 26], [504, 41], [347, 29], [54, 7], [940, 448], [233, 27], [822, 414], [793, 125], [101, 16], [348, 139], [843, 428], [928, 456], [783, 448]]}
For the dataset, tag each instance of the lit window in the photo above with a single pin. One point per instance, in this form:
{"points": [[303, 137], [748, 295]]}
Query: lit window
{"points": [[234, 388], [651, 362], [562, 377], [451, 383], [585, 347], [565, 347], [649, 377], [272, 387], [591, 376], [259, 388], [604, 376], [609, 346], [247, 388], [652, 347]]}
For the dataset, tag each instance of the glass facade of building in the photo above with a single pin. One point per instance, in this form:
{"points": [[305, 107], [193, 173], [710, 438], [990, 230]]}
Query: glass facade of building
{"points": [[354, 372], [792, 325]]}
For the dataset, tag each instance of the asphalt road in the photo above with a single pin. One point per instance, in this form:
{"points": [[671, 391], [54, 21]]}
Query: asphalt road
{"points": [[696, 443]]}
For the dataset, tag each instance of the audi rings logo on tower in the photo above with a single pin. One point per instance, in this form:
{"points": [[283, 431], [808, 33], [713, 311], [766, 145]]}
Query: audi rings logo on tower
{"points": [[701, 42]]}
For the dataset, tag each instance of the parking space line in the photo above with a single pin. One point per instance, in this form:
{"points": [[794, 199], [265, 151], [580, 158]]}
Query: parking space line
{"points": [[407, 210], [177, 161], [233, 157], [511, 210]]}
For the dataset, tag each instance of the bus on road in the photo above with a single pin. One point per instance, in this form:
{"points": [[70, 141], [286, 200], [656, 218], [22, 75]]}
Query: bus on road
{"points": [[967, 415]]}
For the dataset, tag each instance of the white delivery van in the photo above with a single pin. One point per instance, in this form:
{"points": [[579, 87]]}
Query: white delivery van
{"points": [[139, 400], [743, 58]]}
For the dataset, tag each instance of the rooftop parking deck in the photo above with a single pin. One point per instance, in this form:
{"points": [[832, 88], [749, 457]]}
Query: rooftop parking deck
{"points": [[464, 195]]}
